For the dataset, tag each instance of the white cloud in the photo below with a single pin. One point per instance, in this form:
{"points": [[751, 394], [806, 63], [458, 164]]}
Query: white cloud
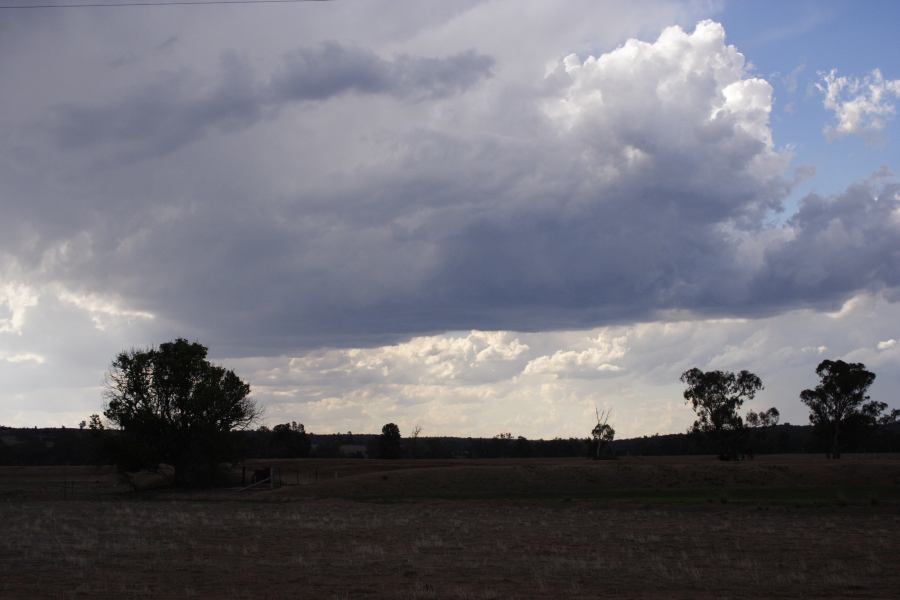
{"points": [[100, 308], [422, 359], [591, 362], [15, 300], [23, 357], [680, 86], [861, 106], [887, 344], [538, 384], [548, 384]]}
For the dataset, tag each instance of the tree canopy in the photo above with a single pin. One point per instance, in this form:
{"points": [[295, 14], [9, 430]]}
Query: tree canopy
{"points": [[602, 434], [840, 402], [289, 440], [389, 443], [175, 407], [716, 397], [763, 418]]}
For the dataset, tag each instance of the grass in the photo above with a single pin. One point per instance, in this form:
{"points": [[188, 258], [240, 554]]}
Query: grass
{"points": [[441, 549], [827, 541], [810, 496]]}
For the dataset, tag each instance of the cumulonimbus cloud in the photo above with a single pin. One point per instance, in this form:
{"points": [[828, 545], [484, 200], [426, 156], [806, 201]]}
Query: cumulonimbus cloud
{"points": [[165, 115], [617, 188]]}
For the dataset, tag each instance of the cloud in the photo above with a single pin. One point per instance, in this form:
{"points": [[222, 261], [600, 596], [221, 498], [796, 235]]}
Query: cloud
{"points": [[178, 109], [595, 361], [331, 69], [392, 222], [861, 106], [836, 246], [99, 308], [462, 359], [550, 384], [627, 186], [15, 300], [886, 344], [23, 357]]}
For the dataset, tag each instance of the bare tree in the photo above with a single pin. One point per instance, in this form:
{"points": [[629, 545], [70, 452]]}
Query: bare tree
{"points": [[603, 433], [414, 438]]}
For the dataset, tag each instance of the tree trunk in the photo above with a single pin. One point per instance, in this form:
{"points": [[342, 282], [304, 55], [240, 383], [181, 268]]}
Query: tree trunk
{"points": [[835, 452]]}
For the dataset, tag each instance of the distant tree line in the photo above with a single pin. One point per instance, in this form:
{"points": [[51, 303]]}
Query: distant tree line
{"points": [[842, 415], [81, 447], [170, 405]]}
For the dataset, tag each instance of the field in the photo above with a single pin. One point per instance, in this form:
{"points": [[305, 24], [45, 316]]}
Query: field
{"points": [[683, 527]]}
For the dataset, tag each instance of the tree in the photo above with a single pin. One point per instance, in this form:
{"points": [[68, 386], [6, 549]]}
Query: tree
{"points": [[95, 423], [890, 418], [761, 424], [289, 440], [521, 447], [389, 443], [839, 403], [173, 406], [764, 418], [716, 397], [602, 433], [415, 440]]}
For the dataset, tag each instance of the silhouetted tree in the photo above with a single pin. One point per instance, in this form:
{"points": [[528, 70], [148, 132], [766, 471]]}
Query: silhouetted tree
{"points": [[95, 423], [414, 440], [175, 407], [716, 397], [839, 404], [521, 447], [389, 442], [289, 440], [760, 423], [764, 418], [890, 418], [602, 434]]}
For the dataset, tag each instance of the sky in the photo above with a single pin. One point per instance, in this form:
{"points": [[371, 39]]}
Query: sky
{"points": [[477, 217]]}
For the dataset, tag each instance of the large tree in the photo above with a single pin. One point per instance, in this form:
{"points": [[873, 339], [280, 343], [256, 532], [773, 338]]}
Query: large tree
{"points": [[389, 442], [289, 440], [174, 407], [840, 403], [716, 397]]}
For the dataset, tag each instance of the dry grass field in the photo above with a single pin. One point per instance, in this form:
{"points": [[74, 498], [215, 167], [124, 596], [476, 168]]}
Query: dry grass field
{"points": [[637, 528]]}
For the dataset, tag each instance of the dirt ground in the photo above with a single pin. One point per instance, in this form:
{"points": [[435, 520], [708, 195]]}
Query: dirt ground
{"points": [[837, 536]]}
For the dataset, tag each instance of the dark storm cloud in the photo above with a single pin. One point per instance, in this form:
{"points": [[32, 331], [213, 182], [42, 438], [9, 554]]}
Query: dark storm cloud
{"points": [[161, 117], [165, 115], [614, 190], [331, 69], [838, 246]]}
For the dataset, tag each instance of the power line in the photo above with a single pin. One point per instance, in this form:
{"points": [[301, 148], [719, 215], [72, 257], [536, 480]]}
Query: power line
{"points": [[154, 3]]}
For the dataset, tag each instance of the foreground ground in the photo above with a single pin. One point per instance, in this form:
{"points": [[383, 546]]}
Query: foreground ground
{"points": [[382, 534]]}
